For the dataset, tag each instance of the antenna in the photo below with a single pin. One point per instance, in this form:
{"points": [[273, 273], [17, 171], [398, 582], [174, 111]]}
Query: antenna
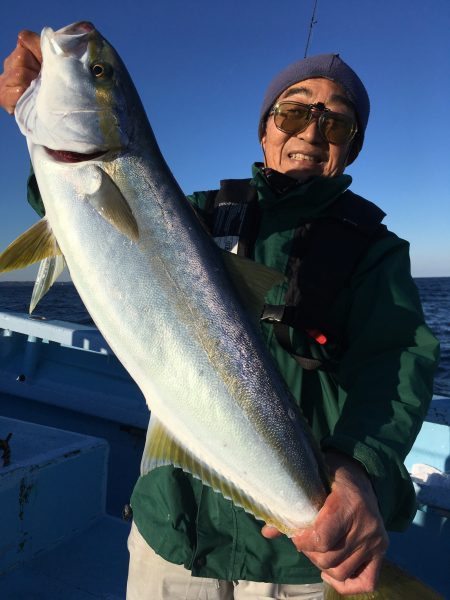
{"points": [[311, 25]]}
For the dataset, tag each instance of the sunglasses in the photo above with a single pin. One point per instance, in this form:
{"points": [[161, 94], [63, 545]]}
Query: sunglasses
{"points": [[294, 117]]}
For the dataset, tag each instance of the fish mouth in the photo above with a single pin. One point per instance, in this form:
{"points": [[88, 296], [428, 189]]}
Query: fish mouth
{"points": [[71, 40], [67, 156], [78, 28]]}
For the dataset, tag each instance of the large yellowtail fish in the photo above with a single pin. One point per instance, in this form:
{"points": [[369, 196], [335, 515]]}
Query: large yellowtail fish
{"points": [[156, 286]]}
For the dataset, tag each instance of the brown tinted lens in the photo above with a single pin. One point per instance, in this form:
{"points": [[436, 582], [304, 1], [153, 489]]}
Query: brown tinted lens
{"points": [[336, 129], [291, 117]]}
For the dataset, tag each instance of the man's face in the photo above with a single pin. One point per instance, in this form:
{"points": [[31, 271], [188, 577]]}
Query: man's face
{"points": [[307, 154]]}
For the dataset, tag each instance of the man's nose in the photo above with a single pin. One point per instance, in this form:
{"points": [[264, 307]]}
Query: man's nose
{"points": [[312, 133]]}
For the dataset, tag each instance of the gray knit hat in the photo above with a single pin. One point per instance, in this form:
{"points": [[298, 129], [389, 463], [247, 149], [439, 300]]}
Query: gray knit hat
{"points": [[330, 66]]}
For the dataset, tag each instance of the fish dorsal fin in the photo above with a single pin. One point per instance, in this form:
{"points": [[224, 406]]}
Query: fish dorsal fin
{"points": [[162, 448], [110, 204], [49, 271], [252, 280], [35, 244]]}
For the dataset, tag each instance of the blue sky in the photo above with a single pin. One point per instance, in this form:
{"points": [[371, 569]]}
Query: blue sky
{"points": [[214, 59]]}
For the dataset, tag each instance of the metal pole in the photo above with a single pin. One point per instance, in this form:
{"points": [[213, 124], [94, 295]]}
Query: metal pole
{"points": [[311, 25]]}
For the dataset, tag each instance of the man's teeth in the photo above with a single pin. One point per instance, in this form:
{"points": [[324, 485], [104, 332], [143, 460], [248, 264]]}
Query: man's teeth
{"points": [[299, 156]]}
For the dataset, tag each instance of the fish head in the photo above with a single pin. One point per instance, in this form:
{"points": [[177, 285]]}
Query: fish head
{"points": [[82, 101]]}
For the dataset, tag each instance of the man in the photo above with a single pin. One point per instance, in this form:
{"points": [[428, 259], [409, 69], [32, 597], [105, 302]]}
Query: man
{"points": [[363, 379]]}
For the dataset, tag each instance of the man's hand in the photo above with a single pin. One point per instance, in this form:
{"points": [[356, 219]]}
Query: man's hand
{"points": [[348, 540], [20, 68]]}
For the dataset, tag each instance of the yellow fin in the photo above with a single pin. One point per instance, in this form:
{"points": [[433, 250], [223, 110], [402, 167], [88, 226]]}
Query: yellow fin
{"points": [[163, 449], [49, 271], [394, 584], [252, 280], [35, 244], [110, 204]]}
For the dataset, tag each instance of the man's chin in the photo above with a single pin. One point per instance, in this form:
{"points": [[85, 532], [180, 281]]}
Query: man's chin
{"points": [[300, 175]]}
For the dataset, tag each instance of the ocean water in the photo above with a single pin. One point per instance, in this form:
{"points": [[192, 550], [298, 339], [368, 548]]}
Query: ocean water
{"points": [[63, 303], [435, 295]]}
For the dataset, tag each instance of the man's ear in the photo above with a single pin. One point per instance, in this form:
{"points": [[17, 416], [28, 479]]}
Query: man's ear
{"points": [[263, 148], [353, 152]]}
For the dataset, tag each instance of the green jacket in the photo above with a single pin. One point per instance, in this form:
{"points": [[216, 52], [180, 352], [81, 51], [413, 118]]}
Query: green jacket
{"points": [[371, 409]]}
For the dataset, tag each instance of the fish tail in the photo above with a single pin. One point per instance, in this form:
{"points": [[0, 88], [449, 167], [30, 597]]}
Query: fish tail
{"points": [[394, 584]]}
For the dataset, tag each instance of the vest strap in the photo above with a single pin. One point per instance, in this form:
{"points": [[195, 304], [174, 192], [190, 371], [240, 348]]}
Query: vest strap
{"points": [[276, 315]]}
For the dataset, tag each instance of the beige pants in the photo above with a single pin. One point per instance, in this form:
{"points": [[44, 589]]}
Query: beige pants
{"points": [[150, 577]]}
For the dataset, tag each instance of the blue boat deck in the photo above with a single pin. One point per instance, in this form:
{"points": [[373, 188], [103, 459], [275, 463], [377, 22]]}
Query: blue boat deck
{"points": [[89, 566], [57, 542]]}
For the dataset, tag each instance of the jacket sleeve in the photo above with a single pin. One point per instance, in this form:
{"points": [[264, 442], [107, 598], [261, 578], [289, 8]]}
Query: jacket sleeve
{"points": [[197, 200], [385, 377]]}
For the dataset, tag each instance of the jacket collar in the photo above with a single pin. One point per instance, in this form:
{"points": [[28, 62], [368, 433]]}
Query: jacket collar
{"points": [[277, 190]]}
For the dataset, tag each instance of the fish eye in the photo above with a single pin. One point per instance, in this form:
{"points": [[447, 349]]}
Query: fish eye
{"points": [[101, 70]]}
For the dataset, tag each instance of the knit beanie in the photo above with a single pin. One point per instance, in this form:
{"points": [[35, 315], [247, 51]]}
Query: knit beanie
{"points": [[329, 66]]}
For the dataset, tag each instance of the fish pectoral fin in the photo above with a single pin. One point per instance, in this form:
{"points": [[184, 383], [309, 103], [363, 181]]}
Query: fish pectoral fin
{"points": [[111, 205], [49, 271], [162, 448], [35, 244], [252, 280]]}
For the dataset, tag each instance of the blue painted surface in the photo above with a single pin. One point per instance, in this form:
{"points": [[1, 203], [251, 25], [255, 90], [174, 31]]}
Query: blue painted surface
{"points": [[80, 387], [432, 446], [90, 566], [74, 335], [424, 549], [126, 443], [53, 489], [68, 366]]}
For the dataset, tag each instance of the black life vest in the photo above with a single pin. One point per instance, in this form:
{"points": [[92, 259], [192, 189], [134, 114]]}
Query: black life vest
{"points": [[325, 253]]}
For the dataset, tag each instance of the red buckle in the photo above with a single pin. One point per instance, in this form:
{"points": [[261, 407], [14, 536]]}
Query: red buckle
{"points": [[320, 337]]}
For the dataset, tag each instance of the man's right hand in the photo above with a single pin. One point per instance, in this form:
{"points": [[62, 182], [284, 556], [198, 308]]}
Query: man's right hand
{"points": [[20, 68]]}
